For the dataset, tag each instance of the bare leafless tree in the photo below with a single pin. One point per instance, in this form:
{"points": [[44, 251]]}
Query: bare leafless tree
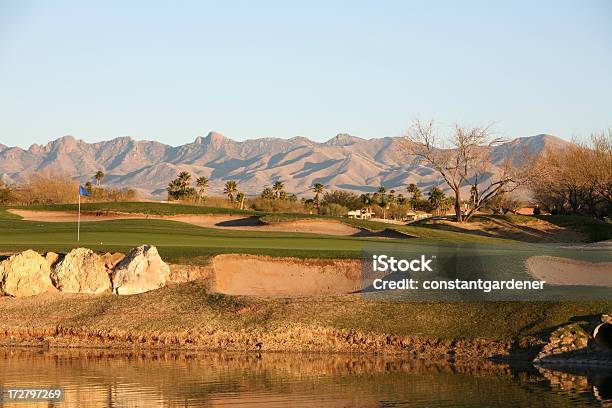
{"points": [[462, 159], [576, 178]]}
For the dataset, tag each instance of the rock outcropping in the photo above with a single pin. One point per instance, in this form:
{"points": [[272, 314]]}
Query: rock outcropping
{"points": [[586, 342], [52, 259], [81, 271], [140, 271], [24, 274], [110, 260]]}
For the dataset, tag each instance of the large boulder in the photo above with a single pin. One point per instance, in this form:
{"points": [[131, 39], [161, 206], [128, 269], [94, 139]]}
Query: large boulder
{"points": [[81, 271], [52, 259], [110, 260], [140, 271], [24, 274]]}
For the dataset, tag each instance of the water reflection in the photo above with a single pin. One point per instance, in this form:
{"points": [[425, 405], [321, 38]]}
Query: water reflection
{"points": [[581, 380], [99, 378]]}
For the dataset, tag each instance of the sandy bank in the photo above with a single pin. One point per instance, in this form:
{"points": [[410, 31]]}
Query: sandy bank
{"points": [[564, 271], [285, 277]]}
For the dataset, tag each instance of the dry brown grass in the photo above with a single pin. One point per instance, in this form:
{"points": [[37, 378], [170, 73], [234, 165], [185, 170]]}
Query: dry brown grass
{"points": [[47, 188], [187, 316]]}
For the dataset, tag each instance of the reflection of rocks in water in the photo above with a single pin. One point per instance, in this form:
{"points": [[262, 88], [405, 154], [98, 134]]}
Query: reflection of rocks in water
{"points": [[134, 378], [602, 386], [596, 382], [287, 363]]}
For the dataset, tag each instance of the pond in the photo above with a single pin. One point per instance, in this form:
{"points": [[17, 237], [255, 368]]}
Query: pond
{"points": [[101, 378]]}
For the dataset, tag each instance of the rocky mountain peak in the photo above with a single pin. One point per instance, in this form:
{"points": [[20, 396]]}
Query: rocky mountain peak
{"points": [[343, 139], [215, 140]]}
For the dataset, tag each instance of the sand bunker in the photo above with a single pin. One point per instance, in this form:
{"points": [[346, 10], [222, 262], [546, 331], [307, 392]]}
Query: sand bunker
{"points": [[285, 277], [221, 221], [313, 226], [564, 271], [71, 216]]}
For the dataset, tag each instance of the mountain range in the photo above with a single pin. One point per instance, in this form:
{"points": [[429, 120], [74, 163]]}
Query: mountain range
{"points": [[345, 162]]}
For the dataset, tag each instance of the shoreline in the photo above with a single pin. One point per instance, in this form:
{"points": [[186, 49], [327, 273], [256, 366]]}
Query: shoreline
{"points": [[358, 344]]}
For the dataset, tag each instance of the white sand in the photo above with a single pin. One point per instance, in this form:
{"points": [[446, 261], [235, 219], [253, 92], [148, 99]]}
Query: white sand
{"points": [[564, 271]]}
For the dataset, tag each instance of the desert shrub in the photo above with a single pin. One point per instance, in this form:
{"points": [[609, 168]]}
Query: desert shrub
{"points": [[398, 211], [275, 205], [421, 204], [112, 194], [501, 203], [377, 210], [214, 201], [343, 198], [47, 188], [7, 194], [333, 209]]}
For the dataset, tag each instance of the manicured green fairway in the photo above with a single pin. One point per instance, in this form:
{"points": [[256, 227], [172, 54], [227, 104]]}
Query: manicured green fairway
{"points": [[186, 243], [176, 241], [153, 208]]}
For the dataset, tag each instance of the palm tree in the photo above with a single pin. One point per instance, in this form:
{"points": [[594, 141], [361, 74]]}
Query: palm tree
{"points": [[184, 178], [174, 189], [278, 188], [317, 188], [366, 198], [201, 183], [99, 176], [436, 198], [240, 198], [267, 193], [231, 187], [415, 192]]}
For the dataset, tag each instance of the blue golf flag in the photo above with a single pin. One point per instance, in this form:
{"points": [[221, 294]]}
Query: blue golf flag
{"points": [[83, 191]]}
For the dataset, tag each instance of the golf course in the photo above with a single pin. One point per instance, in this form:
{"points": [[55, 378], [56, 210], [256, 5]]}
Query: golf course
{"points": [[193, 315], [187, 243]]}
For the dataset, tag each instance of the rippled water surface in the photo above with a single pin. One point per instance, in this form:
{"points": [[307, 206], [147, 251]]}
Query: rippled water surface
{"points": [[94, 378]]}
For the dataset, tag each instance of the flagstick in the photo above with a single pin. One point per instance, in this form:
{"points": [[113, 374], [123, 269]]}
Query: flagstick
{"points": [[79, 219]]}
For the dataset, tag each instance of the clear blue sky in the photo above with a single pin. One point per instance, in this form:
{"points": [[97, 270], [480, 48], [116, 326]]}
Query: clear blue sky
{"points": [[171, 71]]}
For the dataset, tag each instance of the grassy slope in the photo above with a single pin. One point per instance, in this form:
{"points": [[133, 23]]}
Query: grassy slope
{"points": [[595, 230], [188, 307]]}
